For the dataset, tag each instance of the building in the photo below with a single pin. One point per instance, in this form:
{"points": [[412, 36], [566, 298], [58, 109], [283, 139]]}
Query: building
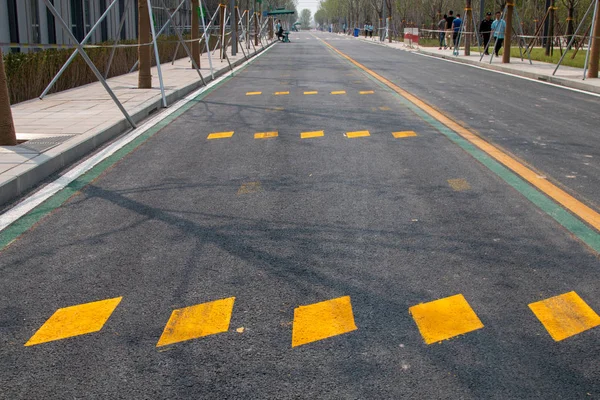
{"points": [[29, 21]]}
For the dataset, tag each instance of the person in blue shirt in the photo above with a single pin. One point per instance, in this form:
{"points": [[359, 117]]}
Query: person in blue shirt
{"points": [[456, 28], [498, 27]]}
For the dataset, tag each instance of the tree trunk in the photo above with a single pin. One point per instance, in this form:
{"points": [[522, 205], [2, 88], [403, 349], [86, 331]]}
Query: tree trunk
{"points": [[550, 38], [144, 49], [507, 33], [196, 14], [468, 18], [8, 135], [595, 49]]}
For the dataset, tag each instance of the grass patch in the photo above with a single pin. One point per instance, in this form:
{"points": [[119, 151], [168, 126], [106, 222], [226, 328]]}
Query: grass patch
{"points": [[539, 55]]}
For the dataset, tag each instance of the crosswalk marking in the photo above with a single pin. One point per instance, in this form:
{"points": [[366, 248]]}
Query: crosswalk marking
{"points": [[311, 92], [404, 134], [220, 135], [281, 93], [366, 92], [197, 321], [253, 93], [265, 135], [322, 320], [565, 315], [459, 185], [339, 92], [445, 318], [357, 134], [314, 134], [74, 321]]}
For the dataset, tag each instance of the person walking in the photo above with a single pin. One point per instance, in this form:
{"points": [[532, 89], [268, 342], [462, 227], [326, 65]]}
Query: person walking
{"points": [[366, 30], [442, 31], [449, 21], [498, 29], [456, 25], [485, 29]]}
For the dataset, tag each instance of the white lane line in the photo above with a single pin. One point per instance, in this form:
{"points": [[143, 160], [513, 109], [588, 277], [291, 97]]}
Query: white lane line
{"points": [[29, 203], [509, 74]]}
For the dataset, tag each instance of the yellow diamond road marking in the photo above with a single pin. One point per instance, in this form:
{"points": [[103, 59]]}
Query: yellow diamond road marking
{"points": [[220, 135], [445, 318], [311, 92], [281, 93], [322, 320], [459, 185], [404, 134], [249, 187], [74, 321], [366, 92], [358, 134], [197, 321], [565, 315], [265, 135], [314, 134], [339, 92], [253, 93]]}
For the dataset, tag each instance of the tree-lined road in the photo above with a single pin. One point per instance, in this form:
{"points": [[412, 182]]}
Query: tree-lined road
{"points": [[303, 231]]}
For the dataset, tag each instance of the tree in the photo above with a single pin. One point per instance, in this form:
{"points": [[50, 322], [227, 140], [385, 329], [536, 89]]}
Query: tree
{"points": [[305, 18], [8, 136]]}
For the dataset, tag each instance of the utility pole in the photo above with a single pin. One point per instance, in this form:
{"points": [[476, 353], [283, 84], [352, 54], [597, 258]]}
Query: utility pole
{"points": [[550, 38], [468, 19], [144, 50], [196, 14], [546, 23], [8, 135], [481, 10], [508, 32], [595, 49]]}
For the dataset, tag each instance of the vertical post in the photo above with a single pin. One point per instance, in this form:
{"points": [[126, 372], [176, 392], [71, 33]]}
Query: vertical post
{"points": [[248, 29], [595, 45], [256, 28], [468, 19], [550, 38], [196, 14], [546, 23], [507, 32], [144, 50], [222, 30], [481, 10], [156, 55], [8, 135], [233, 22]]}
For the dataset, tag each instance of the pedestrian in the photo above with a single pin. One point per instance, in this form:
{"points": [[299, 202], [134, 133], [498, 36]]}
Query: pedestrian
{"points": [[498, 28], [371, 31], [366, 29], [279, 30], [456, 25], [442, 31], [485, 29], [449, 21]]}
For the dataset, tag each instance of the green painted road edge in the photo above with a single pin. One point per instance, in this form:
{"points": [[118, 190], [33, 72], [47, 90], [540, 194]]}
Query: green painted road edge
{"points": [[577, 227], [23, 224]]}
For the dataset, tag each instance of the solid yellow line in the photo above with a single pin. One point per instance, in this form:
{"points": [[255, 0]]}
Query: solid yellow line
{"points": [[339, 92], [554, 192], [313, 92]]}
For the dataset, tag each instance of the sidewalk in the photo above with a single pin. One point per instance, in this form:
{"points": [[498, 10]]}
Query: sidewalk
{"points": [[66, 126], [565, 76]]}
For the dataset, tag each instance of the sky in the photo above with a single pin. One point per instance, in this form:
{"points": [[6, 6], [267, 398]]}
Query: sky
{"points": [[312, 5]]}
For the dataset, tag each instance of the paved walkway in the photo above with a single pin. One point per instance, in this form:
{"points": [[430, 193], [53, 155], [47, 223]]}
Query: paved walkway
{"points": [[565, 76], [65, 126]]}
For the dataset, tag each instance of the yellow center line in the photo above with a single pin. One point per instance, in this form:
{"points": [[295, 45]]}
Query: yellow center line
{"points": [[308, 135], [220, 135], [339, 92], [357, 134], [554, 192], [253, 93], [281, 93], [404, 134], [366, 92], [311, 92], [265, 135]]}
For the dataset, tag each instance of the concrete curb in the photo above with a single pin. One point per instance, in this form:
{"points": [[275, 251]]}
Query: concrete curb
{"points": [[18, 180]]}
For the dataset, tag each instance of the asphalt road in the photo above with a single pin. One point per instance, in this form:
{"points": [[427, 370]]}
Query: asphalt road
{"points": [[285, 222]]}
